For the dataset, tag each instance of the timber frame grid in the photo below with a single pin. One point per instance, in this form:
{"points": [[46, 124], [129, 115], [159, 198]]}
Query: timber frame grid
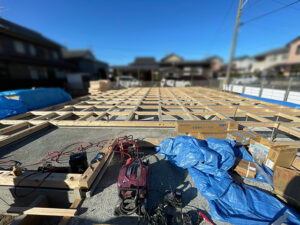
{"points": [[141, 107], [154, 107]]}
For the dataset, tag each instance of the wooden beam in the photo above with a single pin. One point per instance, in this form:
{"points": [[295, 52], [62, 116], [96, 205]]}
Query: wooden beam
{"points": [[34, 179], [65, 220], [17, 136], [42, 211], [40, 201], [91, 173]]}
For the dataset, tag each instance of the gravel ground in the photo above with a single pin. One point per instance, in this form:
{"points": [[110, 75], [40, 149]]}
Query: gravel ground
{"points": [[100, 208], [163, 176]]}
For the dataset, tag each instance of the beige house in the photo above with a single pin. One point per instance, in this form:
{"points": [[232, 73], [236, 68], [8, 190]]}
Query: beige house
{"points": [[270, 60], [284, 60], [293, 60]]}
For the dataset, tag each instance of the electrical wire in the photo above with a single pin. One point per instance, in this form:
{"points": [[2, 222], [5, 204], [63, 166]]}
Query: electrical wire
{"points": [[34, 189], [221, 27], [124, 143], [269, 13], [282, 3]]}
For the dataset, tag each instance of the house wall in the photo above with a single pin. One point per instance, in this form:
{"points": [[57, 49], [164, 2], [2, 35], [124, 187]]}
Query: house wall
{"points": [[33, 56], [243, 65], [18, 71], [269, 61], [292, 56]]}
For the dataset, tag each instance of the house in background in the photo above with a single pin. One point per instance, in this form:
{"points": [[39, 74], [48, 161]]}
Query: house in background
{"points": [[143, 68], [172, 65], [175, 66], [84, 61], [271, 62], [293, 60], [28, 59], [242, 64]]}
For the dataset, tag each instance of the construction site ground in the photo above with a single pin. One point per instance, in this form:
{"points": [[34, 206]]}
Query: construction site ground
{"points": [[100, 207]]}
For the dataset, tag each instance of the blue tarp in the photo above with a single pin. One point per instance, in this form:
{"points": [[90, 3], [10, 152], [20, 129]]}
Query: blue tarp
{"points": [[30, 99], [208, 162], [287, 104]]}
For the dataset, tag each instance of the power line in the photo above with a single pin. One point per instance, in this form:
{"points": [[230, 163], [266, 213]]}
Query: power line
{"points": [[251, 5], [220, 28], [270, 12], [282, 3]]}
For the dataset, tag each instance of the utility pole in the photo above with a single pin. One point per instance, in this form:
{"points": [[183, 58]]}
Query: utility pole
{"points": [[233, 43]]}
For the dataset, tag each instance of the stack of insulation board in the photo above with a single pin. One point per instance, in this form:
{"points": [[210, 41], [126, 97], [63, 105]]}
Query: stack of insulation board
{"points": [[99, 85]]}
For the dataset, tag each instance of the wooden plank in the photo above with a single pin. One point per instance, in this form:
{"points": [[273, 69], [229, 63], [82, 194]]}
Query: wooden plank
{"points": [[94, 186], [14, 127], [131, 114], [40, 201], [91, 173], [41, 211], [34, 179], [188, 113], [23, 133], [65, 220], [192, 102]]}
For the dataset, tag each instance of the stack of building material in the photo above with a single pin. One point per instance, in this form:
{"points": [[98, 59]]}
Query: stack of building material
{"points": [[98, 86]]}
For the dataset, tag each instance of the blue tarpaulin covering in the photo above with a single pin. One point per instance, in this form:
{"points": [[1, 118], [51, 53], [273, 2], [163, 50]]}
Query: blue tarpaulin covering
{"points": [[30, 99], [277, 102], [208, 162]]}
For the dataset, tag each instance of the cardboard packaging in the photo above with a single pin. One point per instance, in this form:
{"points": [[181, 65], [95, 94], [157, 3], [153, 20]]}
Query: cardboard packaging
{"points": [[258, 151], [286, 185], [283, 157], [206, 126], [245, 168], [272, 156], [243, 137]]}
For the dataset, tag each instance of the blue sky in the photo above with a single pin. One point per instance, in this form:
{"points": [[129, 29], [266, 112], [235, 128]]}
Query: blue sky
{"points": [[119, 30]]}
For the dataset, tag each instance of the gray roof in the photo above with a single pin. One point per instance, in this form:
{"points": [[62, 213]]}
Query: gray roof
{"points": [[136, 67], [295, 39], [67, 54], [242, 57], [144, 61], [25, 32], [273, 51]]}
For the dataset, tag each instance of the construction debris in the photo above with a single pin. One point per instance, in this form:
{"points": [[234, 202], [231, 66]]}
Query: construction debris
{"points": [[198, 112], [98, 86], [286, 184], [245, 168], [208, 163]]}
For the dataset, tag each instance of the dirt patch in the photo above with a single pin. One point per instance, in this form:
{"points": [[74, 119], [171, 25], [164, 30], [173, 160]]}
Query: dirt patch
{"points": [[6, 219]]}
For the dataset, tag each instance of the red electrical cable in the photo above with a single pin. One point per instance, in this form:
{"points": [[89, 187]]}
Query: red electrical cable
{"points": [[34, 189]]}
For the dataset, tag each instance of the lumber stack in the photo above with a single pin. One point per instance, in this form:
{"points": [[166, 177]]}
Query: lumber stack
{"points": [[98, 86]]}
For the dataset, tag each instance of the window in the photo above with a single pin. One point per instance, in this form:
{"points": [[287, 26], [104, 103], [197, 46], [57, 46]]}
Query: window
{"points": [[298, 50], [32, 50], [43, 73], [19, 47], [37, 73], [34, 74], [59, 74], [273, 57], [1, 46], [284, 56], [54, 55]]}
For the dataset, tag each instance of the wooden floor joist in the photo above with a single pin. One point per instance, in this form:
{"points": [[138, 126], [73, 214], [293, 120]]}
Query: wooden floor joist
{"points": [[153, 107], [41, 211]]}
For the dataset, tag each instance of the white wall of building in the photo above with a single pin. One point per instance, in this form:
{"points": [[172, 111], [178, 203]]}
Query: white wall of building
{"points": [[269, 61], [243, 65]]}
